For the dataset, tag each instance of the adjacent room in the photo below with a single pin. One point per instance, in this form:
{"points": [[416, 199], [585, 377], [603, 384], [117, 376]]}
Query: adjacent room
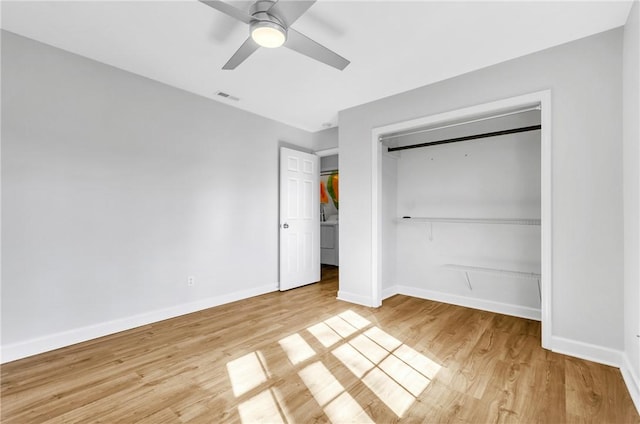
{"points": [[320, 211]]}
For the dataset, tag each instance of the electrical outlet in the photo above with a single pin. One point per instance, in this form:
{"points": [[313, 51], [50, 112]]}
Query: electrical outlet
{"points": [[191, 280]]}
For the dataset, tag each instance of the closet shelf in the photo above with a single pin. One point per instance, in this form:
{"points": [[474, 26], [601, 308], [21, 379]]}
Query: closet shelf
{"points": [[514, 221]]}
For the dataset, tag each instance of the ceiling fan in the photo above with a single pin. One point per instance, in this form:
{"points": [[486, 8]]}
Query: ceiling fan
{"points": [[270, 26]]}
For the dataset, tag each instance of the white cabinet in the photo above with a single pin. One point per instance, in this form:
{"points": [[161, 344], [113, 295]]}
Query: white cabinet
{"points": [[329, 243]]}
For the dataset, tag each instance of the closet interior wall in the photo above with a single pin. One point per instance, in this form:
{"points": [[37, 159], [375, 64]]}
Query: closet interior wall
{"points": [[489, 178]]}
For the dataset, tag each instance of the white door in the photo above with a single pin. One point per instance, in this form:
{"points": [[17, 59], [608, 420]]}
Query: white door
{"points": [[299, 219]]}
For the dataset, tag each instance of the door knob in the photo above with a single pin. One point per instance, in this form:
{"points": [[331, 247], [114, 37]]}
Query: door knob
{"points": [[285, 225]]}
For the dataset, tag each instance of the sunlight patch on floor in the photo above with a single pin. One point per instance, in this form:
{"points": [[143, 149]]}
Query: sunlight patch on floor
{"points": [[336, 402], [283, 405], [260, 408], [390, 392], [296, 348], [321, 383], [340, 326], [405, 375], [396, 373], [370, 349], [324, 334], [383, 339], [246, 373], [357, 363], [345, 409], [354, 319], [418, 361]]}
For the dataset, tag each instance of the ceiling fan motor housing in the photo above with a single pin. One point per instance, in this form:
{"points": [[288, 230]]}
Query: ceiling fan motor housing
{"points": [[263, 21], [260, 11]]}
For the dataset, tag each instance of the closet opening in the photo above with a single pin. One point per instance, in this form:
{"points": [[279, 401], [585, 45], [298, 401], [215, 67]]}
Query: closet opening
{"points": [[329, 214], [461, 206]]}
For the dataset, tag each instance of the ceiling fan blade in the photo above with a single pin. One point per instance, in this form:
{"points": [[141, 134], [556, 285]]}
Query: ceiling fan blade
{"points": [[227, 9], [305, 45], [245, 50], [290, 11]]}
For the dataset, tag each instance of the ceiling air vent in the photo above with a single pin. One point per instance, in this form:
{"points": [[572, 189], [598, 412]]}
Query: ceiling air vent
{"points": [[227, 96]]}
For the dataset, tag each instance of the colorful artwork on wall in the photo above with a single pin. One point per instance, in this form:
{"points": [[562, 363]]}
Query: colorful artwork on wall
{"points": [[332, 188], [324, 198], [329, 190]]}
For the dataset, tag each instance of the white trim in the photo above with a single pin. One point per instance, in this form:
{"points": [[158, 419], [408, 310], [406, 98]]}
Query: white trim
{"points": [[389, 291], [546, 214], [376, 222], [327, 152], [38, 345], [588, 351], [542, 98], [470, 302], [631, 379], [355, 298]]}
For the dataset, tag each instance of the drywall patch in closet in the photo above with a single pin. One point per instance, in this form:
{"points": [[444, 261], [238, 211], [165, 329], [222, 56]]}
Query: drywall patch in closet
{"points": [[473, 202]]}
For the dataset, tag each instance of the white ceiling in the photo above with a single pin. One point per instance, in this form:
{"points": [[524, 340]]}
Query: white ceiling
{"points": [[393, 46]]}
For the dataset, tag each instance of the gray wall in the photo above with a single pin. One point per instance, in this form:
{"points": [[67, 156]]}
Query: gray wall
{"points": [[329, 163], [585, 79], [631, 169], [325, 139], [116, 188]]}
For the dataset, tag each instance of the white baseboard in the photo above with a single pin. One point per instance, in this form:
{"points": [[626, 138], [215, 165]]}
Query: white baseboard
{"points": [[470, 302], [602, 355], [588, 351], [355, 298], [632, 380], [389, 291], [47, 343]]}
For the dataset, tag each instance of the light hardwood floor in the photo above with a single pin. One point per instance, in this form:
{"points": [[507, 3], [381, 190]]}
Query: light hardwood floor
{"points": [[303, 356]]}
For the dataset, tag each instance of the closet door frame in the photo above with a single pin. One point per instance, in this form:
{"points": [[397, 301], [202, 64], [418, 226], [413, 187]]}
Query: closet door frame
{"points": [[541, 98]]}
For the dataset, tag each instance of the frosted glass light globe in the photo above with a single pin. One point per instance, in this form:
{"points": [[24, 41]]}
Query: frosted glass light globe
{"points": [[268, 34]]}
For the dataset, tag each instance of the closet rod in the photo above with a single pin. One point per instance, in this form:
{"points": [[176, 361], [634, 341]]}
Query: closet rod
{"points": [[420, 131], [328, 172], [467, 138]]}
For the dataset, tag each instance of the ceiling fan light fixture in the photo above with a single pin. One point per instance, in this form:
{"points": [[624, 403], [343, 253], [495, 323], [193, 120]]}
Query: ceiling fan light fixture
{"points": [[268, 34]]}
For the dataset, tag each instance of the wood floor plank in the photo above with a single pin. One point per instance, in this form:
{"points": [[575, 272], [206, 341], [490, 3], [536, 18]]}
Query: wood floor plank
{"points": [[475, 373], [549, 402], [304, 357]]}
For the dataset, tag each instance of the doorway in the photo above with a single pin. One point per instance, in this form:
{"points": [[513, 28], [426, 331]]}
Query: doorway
{"points": [[538, 99], [329, 212]]}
